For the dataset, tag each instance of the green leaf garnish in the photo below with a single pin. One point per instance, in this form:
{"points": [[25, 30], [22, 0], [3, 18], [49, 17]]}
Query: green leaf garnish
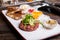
{"points": [[28, 20]]}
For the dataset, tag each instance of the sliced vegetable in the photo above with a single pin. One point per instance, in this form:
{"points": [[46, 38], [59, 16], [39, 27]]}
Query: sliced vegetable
{"points": [[41, 23], [30, 10], [28, 19]]}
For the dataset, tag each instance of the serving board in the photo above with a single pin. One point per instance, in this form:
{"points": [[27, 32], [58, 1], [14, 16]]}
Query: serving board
{"points": [[40, 33]]}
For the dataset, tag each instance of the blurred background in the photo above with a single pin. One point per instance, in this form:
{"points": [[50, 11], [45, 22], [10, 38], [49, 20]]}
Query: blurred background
{"points": [[13, 2]]}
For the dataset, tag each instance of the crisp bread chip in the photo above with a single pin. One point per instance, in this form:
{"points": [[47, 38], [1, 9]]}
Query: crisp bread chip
{"points": [[14, 13], [10, 9]]}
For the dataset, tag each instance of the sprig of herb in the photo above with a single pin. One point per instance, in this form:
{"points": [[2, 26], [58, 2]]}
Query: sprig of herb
{"points": [[28, 20]]}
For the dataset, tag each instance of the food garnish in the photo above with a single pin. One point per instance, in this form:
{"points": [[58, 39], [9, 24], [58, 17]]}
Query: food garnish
{"points": [[36, 14], [30, 10], [28, 19], [29, 23]]}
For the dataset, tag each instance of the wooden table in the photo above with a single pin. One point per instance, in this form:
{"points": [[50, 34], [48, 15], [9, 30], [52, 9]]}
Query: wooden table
{"points": [[5, 32]]}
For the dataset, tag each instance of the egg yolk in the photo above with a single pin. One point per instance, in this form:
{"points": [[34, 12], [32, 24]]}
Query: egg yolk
{"points": [[36, 14]]}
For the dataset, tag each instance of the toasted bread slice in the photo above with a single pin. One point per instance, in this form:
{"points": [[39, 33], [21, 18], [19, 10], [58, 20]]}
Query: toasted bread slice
{"points": [[14, 13]]}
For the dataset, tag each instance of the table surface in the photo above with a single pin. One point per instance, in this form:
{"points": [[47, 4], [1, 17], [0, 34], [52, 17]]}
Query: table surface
{"points": [[6, 32]]}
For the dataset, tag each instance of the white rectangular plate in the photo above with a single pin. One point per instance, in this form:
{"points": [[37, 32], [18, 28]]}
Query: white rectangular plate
{"points": [[40, 33]]}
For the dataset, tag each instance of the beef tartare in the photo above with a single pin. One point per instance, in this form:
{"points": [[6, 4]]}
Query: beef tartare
{"points": [[29, 23]]}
